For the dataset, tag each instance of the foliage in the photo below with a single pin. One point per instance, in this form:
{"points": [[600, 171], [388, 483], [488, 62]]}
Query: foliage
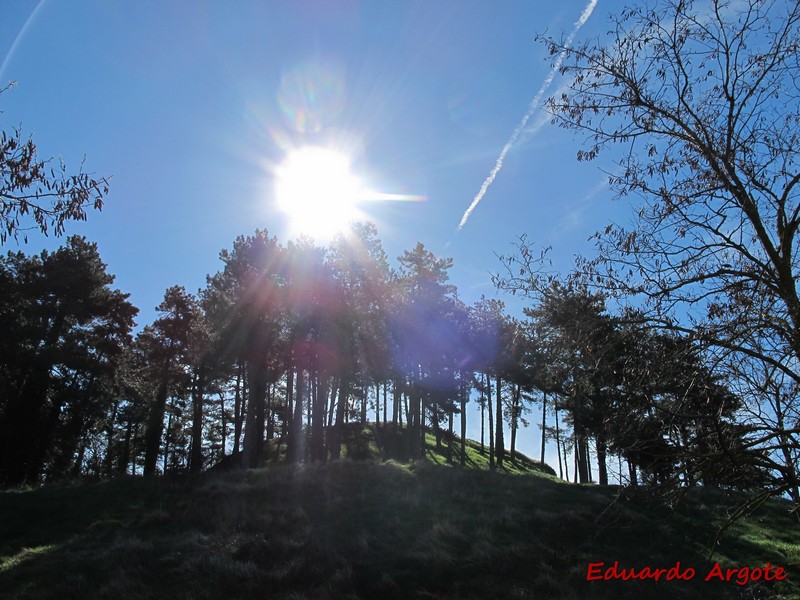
{"points": [[165, 345], [63, 329], [641, 394], [41, 190]]}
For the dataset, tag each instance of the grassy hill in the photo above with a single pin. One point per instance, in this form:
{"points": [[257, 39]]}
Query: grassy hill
{"points": [[386, 442], [374, 529]]}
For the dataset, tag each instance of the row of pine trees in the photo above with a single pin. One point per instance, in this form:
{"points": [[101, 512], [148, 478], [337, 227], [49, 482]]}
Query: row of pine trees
{"points": [[290, 342]]}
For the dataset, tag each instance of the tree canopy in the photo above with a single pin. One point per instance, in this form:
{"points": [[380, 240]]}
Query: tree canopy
{"points": [[286, 344]]}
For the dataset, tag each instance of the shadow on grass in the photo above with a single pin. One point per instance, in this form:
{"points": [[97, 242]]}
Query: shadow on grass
{"points": [[369, 529]]}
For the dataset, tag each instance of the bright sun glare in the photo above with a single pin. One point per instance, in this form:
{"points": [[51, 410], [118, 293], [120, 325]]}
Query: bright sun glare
{"points": [[317, 191]]}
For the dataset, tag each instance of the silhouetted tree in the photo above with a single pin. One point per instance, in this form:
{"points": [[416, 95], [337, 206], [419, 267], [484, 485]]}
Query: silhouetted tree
{"points": [[361, 270], [580, 336], [62, 327], [492, 352], [165, 344], [704, 100], [251, 290], [426, 335]]}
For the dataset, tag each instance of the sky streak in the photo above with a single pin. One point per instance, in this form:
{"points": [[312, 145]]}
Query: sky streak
{"points": [[23, 30], [532, 107]]}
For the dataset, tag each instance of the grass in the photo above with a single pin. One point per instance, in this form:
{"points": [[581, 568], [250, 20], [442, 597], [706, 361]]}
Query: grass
{"points": [[372, 529], [385, 442]]}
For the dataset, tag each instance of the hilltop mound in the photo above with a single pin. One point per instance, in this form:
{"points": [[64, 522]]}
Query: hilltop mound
{"points": [[382, 442], [371, 529]]}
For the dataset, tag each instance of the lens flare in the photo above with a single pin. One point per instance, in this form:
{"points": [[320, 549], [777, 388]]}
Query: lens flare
{"points": [[312, 96]]}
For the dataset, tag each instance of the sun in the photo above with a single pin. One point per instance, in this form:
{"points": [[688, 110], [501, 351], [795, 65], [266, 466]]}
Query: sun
{"points": [[317, 191]]}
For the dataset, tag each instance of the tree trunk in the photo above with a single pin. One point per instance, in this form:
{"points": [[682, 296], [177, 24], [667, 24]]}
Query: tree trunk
{"points": [[632, 474], [395, 404], [223, 423], [294, 452], [412, 418], [483, 422], [602, 469], [491, 422], [450, 437], [575, 459], [421, 422], [318, 420], [385, 393], [515, 410], [238, 412], [312, 385], [544, 426], [253, 427], [336, 450], [133, 446], [154, 429], [288, 409], [335, 384], [111, 449], [196, 452], [558, 444], [364, 404], [270, 408], [437, 432], [166, 441], [125, 455], [581, 455], [463, 458]]}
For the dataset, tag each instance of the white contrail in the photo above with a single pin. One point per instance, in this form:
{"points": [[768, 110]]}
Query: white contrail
{"points": [[587, 12], [10, 54]]}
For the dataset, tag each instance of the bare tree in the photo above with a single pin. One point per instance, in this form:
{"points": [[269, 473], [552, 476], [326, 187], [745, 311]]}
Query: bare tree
{"points": [[703, 99]]}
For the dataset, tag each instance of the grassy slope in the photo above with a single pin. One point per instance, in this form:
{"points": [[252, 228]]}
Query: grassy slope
{"points": [[364, 442], [368, 529]]}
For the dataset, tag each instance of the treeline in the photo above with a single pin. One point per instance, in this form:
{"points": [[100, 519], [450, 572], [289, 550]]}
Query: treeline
{"points": [[290, 342]]}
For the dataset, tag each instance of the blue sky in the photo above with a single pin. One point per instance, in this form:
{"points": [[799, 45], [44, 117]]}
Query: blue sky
{"points": [[188, 106]]}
